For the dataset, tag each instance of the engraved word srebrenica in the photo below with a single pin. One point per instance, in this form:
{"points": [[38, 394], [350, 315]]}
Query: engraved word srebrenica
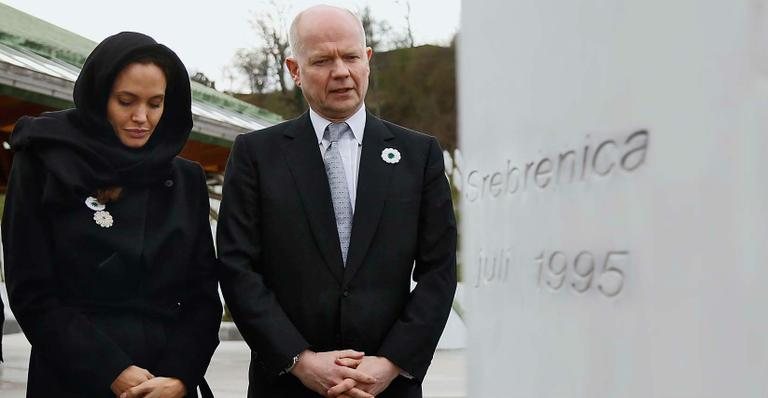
{"points": [[607, 157]]}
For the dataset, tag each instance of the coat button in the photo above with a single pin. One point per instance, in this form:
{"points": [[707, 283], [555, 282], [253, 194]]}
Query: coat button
{"points": [[168, 183], [346, 293]]}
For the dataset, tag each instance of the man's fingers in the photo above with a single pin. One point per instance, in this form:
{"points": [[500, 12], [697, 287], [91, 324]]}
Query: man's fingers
{"points": [[350, 354], [145, 372], [357, 393], [360, 377], [341, 388], [348, 362], [135, 392], [129, 393], [156, 393]]}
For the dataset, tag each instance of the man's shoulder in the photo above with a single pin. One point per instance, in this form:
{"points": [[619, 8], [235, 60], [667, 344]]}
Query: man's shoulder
{"points": [[268, 133], [406, 134]]}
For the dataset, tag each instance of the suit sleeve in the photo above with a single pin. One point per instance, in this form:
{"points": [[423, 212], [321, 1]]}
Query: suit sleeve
{"points": [[412, 340], [62, 335], [196, 333], [2, 322], [254, 308]]}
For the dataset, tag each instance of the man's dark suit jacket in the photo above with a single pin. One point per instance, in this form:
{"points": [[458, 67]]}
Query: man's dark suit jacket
{"points": [[282, 273], [2, 323]]}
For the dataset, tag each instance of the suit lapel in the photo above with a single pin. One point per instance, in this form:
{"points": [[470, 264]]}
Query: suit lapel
{"points": [[372, 184], [306, 164]]}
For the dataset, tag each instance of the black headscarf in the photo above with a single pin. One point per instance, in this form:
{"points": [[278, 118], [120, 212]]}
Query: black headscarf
{"points": [[79, 146]]}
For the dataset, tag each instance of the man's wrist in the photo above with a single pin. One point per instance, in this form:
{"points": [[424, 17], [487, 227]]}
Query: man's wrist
{"points": [[294, 361], [400, 371], [180, 385]]}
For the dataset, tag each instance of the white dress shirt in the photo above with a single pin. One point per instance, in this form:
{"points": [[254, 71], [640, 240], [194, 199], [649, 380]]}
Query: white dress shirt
{"points": [[350, 145]]}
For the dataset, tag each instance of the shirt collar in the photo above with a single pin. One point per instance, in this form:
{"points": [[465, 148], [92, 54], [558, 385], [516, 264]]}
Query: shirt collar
{"points": [[356, 122]]}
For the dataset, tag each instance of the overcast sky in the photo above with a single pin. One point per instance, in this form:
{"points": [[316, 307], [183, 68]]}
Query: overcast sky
{"points": [[207, 34]]}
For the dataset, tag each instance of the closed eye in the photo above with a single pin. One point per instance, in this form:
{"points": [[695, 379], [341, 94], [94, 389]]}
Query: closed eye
{"points": [[157, 101]]}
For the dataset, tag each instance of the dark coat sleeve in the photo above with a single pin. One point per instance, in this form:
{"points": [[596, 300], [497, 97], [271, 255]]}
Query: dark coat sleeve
{"points": [[2, 323], [256, 312], [196, 334], [412, 340], [67, 339]]}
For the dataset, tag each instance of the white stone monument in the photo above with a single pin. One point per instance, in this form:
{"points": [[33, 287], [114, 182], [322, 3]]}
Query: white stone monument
{"points": [[615, 197]]}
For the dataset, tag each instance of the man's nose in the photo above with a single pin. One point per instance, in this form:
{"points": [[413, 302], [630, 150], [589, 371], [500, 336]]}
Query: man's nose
{"points": [[340, 68]]}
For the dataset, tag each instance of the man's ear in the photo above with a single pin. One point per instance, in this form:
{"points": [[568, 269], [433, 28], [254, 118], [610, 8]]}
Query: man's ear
{"points": [[369, 52], [293, 68]]}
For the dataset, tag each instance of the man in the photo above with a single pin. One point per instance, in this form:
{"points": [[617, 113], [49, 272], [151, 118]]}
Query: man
{"points": [[322, 220]]}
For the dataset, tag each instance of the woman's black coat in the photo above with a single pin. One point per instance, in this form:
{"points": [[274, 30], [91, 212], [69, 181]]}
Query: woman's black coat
{"points": [[94, 300]]}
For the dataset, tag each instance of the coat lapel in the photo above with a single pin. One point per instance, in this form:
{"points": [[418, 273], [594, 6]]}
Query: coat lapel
{"points": [[308, 170], [372, 185]]}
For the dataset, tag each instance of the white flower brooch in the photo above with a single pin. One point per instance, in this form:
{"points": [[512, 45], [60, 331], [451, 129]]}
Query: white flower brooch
{"points": [[100, 215], [103, 218], [390, 155]]}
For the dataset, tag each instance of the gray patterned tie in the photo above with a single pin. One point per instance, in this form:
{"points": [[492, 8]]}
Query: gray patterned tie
{"points": [[337, 179]]}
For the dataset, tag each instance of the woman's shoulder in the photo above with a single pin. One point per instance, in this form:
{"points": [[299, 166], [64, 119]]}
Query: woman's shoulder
{"points": [[26, 164], [187, 165], [190, 181], [47, 125], [188, 170]]}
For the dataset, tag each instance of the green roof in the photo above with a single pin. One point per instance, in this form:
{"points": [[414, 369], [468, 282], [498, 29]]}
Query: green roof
{"points": [[21, 30], [208, 95]]}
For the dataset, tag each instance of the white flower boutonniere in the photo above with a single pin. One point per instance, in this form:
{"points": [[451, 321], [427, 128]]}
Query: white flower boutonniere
{"points": [[390, 155], [94, 204], [103, 218]]}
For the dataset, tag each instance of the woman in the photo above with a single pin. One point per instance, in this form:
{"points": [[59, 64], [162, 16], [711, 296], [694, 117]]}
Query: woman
{"points": [[108, 250]]}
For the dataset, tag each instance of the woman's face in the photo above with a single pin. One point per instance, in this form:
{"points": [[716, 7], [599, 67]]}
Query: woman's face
{"points": [[136, 102]]}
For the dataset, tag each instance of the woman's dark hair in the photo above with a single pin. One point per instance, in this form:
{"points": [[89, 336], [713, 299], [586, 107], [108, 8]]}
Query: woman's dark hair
{"points": [[106, 195]]}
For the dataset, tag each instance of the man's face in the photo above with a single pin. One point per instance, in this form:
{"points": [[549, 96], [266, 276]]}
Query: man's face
{"points": [[331, 65]]}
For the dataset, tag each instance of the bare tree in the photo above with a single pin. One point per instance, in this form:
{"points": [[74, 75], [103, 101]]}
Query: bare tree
{"points": [[270, 26], [256, 66], [229, 74], [407, 40], [377, 33], [277, 48]]}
